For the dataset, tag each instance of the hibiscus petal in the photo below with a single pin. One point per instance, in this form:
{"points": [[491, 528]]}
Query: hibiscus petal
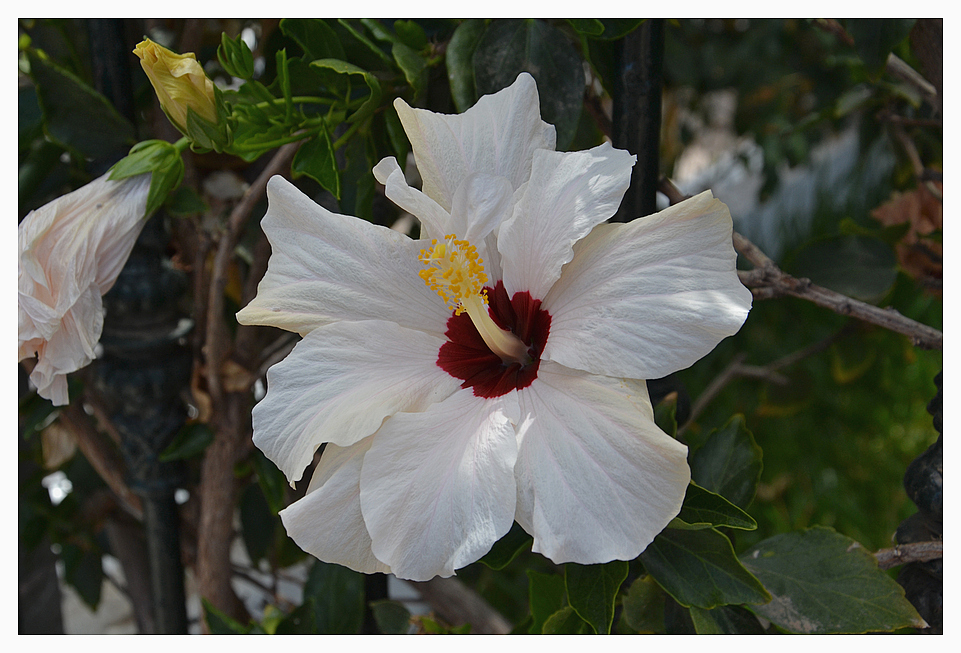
{"points": [[434, 218], [569, 193], [327, 522], [596, 478], [338, 385], [437, 487], [327, 267], [497, 136], [647, 298]]}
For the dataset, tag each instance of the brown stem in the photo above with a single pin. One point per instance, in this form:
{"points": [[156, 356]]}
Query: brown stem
{"points": [[101, 454], [767, 280], [902, 554], [458, 604], [215, 347]]}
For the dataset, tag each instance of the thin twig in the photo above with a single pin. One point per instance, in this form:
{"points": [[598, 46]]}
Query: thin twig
{"points": [[902, 554], [215, 341], [767, 280]]}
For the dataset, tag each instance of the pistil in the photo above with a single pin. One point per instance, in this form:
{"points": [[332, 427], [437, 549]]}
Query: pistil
{"points": [[457, 274]]}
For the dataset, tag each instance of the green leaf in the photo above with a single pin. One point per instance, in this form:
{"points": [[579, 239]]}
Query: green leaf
{"points": [[509, 47], [857, 266], [644, 606], [315, 36], [344, 68], [301, 621], [413, 65], [358, 186], [460, 62], [546, 597], [369, 47], [592, 589], [338, 596], [566, 622], [271, 481], [704, 509], [191, 440], [824, 582], [725, 620], [75, 115], [617, 28], [411, 34], [587, 26], [392, 618], [397, 136], [315, 158], [729, 463], [257, 522], [875, 38], [219, 623], [699, 568], [184, 202], [507, 548]]}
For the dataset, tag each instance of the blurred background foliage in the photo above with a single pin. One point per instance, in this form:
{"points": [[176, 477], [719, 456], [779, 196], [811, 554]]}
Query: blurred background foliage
{"points": [[803, 127]]}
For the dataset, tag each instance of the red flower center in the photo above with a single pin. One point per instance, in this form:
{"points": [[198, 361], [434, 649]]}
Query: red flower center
{"points": [[467, 357]]}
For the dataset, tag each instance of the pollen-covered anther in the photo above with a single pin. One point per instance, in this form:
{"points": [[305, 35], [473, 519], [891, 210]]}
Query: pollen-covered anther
{"points": [[456, 273]]}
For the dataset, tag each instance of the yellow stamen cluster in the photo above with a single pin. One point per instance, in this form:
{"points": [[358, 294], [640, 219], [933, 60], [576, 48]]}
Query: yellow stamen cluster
{"points": [[454, 271]]}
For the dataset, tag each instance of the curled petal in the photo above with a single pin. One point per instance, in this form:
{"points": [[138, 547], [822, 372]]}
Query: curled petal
{"points": [[327, 267], [497, 136], [647, 298], [437, 487], [596, 478], [339, 384], [435, 219], [327, 522], [71, 251], [569, 193]]}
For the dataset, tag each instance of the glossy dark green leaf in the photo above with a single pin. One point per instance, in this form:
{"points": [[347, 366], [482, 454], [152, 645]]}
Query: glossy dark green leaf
{"points": [[412, 64], [704, 509], [546, 597], [643, 608], [729, 463], [368, 50], [824, 582], [592, 591], [257, 522], [725, 620], [857, 266], [83, 570], [460, 62], [75, 115], [507, 548], [699, 568], [302, 621], [509, 47], [272, 481], [358, 187], [373, 86], [315, 36], [338, 595], [587, 26], [875, 38], [219, 623], [190, 441], [315, 158], [392, 618], [567, 622], [411, 34]]}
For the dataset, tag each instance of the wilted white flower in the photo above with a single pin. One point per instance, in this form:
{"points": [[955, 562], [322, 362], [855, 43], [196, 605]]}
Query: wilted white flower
{"points": [[71, 251], [528, 402]]}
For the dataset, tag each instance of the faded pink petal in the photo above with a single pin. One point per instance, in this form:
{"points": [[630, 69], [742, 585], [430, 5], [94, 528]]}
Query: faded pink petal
{"points": [[71, 251]]}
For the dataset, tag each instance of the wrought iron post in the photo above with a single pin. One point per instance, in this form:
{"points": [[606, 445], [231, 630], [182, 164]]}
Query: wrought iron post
{"points": [[140, 377], [637, 114]]}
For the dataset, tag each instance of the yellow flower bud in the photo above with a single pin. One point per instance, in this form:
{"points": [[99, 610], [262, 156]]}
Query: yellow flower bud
{"points": [[179, 81]]}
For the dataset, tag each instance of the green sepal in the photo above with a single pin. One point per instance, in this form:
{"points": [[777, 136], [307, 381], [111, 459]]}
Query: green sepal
{"points": [[164, 163], [235, 57]]}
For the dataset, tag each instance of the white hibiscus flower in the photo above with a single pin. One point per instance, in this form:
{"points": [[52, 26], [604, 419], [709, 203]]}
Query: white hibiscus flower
{"points": [[494, 371], [71, 251]]}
